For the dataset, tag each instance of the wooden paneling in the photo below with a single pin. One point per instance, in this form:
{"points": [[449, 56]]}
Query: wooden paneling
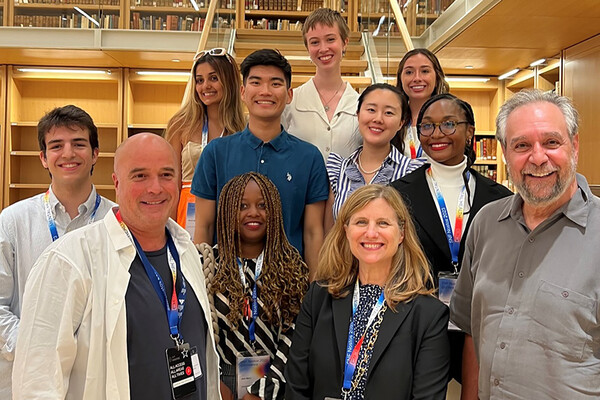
{"points": [[580, 83]]}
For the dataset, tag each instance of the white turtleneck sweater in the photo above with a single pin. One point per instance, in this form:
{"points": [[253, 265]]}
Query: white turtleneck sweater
{"points": [[450, 181]]}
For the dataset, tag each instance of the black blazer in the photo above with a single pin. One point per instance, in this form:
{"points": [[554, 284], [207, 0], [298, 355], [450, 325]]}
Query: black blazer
{"points": [[410, 359], [421, 205]]}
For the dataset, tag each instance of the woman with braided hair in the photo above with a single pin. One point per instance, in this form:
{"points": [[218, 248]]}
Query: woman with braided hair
{"points": [[257, 285]]}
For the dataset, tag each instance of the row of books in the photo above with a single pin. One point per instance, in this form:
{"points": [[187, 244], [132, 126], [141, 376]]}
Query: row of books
{"points": [[188, 23], [485, 148], [487, 171], [271, 24], [433, 6], [283, 5], [66, 21], [95, 2], [229, 4]]}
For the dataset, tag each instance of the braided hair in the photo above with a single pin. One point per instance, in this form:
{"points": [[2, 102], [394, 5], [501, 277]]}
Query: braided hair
{"points": [[284, 278], [469, 117]]}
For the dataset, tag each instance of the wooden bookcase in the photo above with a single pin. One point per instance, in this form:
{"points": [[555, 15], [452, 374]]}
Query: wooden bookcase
{"points": [[30, 94], [151, 100], [485, 98], [164, 15], [62, 14]]}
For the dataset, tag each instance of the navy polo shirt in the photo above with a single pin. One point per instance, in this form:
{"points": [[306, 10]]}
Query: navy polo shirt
{"points": [[296, 168]]}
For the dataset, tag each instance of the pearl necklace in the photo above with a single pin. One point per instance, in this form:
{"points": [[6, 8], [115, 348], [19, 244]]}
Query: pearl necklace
{"points": [[326, 104], [363, 170]]}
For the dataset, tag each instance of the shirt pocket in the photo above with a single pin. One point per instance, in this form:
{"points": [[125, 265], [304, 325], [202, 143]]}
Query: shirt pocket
{"points": [[562, 320]]}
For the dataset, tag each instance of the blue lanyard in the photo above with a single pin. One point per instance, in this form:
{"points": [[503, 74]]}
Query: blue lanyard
{"points": [[205, 133], [453, 238], [353, 349], [259, 264], [50, 218], [175, 310]]}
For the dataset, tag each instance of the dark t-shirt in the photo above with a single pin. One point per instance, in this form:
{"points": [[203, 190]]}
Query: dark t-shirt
{"points": [[148, 331]]}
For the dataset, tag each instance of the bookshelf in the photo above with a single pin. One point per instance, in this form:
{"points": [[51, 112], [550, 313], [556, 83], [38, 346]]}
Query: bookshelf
{"points": [[30, 94], [485, 98], [2, 120], [151, 100], [175, 16], [65, 14]]}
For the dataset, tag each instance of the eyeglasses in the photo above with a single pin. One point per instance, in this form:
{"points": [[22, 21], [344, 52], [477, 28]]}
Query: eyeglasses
{"points": [[216, 52], [447, 127]]}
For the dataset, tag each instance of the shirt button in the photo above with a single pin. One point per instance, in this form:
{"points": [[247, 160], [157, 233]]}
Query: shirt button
{"points": [[502, 345], [531, 240], [496, 382], [328, 128], [521, 274], [262, 161], [511, 311], [565, 294]]}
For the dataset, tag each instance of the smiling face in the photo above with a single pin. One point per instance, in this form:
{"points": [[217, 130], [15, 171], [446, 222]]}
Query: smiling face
{"points": [[446, 149], [69, 157], [253, 215], [325, 46], [418, 78], [146, 182], [265, 93], [379, 117], [374, 234], [208, 84], [541, 158]]}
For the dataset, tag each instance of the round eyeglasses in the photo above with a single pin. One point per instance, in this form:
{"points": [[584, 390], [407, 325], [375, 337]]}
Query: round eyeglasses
{"points": [[447, 127]]}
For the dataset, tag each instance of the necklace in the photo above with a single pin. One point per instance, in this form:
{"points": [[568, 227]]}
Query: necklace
{"points": [[363, 170], [326, 103]]}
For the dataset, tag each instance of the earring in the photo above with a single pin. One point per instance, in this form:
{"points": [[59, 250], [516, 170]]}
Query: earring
{"points": [[344, 53]]}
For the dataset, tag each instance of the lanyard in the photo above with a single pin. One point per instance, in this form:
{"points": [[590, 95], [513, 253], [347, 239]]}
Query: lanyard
{"points": [[453, 239], [259, 264], [175, 308], [414, 153], [205, 134], [352, 349], [50, 218]]}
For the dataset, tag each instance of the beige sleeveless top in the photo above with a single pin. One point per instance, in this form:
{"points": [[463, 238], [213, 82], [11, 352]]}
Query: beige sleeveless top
{"points": [[190, 154]]}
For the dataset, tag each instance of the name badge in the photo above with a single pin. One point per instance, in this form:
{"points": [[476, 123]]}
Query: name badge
{"points": [[249, 369], [181, 370], [447, 282]]}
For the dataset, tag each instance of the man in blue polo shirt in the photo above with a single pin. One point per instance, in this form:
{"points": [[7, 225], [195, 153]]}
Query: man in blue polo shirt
{"points": [[295, 167]]}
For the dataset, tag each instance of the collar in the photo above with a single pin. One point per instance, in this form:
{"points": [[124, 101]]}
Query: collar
{"points": [[449, 174], [277, 143], [347, 103], [576, 209], [84, 208]]}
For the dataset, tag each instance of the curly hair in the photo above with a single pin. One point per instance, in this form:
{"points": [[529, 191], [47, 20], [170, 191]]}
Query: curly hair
{"points": [[284, 278], [191, 116], [410, 274]]}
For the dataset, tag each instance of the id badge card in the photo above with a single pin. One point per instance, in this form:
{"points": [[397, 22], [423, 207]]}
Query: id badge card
{"points": [[447, 282], [182, 372], [249, 369]]}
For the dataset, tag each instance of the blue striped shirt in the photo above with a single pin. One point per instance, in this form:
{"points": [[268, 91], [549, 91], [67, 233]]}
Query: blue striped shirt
{"points": [[345, 177]]}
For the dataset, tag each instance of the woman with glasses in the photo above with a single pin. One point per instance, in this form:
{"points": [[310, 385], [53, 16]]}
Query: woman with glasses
{"points": [[380, 110], [445, 194], [419, 77], [322, 111], [212, 108]]}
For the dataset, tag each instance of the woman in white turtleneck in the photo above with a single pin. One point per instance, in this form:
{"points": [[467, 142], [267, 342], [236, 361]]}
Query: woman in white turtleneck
{"points": [[446, 126]]}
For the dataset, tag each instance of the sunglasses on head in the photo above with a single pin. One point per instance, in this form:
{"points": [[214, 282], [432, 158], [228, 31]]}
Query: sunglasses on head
{"points": [[216, 52]]}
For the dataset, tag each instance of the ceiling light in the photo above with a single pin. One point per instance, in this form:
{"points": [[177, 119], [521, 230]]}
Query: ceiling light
{"points": [[176, 60], [80, 11], [468, 67], [65, 71], [538, 62], [466, 79], [508, 74], [164, 73]]}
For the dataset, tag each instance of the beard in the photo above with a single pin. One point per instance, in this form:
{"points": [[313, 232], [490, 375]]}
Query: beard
{"points": [[540, 194]]}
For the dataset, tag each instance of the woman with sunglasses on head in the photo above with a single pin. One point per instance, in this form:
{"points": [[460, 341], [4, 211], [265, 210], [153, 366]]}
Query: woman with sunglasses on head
{"points": [[212, 108], [322, 111], [445, 194], [380, 110], [419, 77]]}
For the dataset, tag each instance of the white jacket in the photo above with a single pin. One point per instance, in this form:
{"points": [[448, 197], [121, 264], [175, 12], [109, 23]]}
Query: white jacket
{"points": [[73, 334]]}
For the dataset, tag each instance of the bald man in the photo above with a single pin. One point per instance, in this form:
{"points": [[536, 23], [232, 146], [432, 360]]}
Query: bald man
{"points": [[118, 309]]}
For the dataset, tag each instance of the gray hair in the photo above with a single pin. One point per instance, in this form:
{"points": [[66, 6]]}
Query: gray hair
{"points": [[529, 96]]}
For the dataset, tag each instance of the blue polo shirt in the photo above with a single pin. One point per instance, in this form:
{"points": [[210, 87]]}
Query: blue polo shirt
{"points": [[296, 168]]}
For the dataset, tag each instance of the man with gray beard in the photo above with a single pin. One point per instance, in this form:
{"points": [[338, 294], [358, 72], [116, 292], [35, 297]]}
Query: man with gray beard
{"points": [[528, 293]]}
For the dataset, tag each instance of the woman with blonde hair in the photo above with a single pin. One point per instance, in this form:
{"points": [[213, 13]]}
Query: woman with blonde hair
{"points": [[370, 327], [213, 108]]}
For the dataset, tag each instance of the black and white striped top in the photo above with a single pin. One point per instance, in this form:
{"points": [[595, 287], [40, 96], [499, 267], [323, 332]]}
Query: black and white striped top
{"points": [[274, 342]]}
